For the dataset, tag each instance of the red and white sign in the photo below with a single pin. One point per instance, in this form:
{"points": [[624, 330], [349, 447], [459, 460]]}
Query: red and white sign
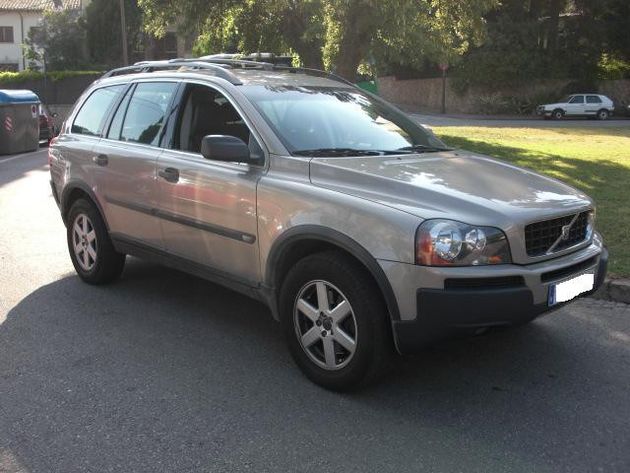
{"points": [[8, 124], [443, 67]]}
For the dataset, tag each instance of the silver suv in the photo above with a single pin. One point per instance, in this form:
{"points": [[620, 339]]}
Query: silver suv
{"points": [[363, 232]]}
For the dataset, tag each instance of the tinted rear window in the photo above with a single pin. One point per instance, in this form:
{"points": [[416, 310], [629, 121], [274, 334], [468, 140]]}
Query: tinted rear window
{"points": [[593, 99], [91, 117]]}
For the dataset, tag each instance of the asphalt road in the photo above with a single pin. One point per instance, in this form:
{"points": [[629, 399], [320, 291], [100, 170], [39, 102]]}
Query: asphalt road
{"points": [[526, 122], [163, 372]]}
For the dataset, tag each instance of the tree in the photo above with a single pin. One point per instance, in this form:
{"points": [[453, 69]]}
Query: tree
{"points": [[102, 18], [339, 34], [58, 41]]}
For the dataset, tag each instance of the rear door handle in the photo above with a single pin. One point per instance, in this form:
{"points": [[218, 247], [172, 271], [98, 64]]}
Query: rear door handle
{"points": [[101, 160], [169, 174]]}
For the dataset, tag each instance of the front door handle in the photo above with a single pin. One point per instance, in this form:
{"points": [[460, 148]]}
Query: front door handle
{"points": [[169, 174], [101, 160]]}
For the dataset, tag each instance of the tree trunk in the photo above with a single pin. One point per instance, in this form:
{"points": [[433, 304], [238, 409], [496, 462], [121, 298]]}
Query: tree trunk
{"points": [[555, 8], [359, 23], [295, 22]]}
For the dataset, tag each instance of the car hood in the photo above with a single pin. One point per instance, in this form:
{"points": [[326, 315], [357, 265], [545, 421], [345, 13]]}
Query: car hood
{"points": [[554, 105], [451, 184]]}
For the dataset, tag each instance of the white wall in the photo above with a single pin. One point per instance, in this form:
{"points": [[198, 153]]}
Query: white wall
{"points": [[12, 52]]}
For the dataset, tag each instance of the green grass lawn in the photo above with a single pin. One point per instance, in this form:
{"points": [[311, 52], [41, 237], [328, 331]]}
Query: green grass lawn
{"points": [[595, 160]]}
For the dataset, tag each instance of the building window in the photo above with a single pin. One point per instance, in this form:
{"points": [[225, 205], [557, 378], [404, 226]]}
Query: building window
{"points": [[6, 34], [35, 33]]}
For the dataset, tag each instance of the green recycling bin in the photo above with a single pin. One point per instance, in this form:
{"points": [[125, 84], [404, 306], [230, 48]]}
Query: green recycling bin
{"points": [[19, 121]]}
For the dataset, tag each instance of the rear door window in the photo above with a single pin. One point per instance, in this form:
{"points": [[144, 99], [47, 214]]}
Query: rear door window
{"points": [[91, 117], [146, 113], [593, 99]]}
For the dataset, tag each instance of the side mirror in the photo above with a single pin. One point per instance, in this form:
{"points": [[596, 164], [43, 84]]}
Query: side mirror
{"points": [[225, 148]]}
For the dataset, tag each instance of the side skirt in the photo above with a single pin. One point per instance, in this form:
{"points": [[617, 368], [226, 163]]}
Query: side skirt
{"points": [[130, 246]]}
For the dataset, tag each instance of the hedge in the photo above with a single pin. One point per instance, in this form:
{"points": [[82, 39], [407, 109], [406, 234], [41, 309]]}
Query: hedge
{"points": [[17, 77]]}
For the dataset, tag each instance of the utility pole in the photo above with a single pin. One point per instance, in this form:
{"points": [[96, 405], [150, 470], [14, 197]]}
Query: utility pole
{"points": [[444, 68], [123, 31]]}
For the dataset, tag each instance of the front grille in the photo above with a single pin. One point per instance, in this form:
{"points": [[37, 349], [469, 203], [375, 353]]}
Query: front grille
{"points": [[540, 236]]}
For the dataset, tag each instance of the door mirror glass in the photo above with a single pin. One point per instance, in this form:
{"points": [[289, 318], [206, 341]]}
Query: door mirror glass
{"points": [[225, 148]]}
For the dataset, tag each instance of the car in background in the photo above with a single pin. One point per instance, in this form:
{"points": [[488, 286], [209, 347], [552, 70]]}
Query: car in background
{"points": [[47, 128], [578, 105]]}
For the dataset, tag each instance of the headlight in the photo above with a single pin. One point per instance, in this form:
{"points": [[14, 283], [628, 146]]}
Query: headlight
{"points": [[590, 225], [450, 243]]}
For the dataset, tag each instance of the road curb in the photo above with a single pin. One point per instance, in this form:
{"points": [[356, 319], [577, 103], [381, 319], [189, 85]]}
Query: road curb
{"points": [[617, 290]]}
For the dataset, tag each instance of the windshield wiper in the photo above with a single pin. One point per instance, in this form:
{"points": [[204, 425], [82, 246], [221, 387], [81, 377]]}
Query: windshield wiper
{"points": [[334, 152], [423, 149]]}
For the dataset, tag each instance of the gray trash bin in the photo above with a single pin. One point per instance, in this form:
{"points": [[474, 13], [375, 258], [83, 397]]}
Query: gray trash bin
{"points": [[19, 121]]}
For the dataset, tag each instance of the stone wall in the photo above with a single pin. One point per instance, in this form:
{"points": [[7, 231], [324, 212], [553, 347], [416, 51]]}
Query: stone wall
{"points": [[426, 95]]}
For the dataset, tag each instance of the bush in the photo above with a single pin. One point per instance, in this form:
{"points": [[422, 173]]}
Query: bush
{"points": [[24, 76], [612, 68]]}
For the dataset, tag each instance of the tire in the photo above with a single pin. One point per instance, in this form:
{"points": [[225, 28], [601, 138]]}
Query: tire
{"points": [[557, 114], [91, 250], [320, 344], [603, 114]]}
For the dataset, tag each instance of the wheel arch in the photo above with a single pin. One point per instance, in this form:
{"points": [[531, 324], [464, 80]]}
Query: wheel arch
{"points": [[304, 240], [75, 190]]}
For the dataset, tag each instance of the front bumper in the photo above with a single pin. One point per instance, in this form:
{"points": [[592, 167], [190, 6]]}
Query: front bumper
{"points": [[464, 305]]}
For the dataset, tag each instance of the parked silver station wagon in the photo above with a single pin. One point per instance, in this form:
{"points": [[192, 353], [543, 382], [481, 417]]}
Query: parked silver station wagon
{"points": [[363, 232]]}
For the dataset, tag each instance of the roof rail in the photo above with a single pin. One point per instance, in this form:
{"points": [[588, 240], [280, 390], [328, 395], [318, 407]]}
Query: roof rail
{"points": [[268, 66], [244, 63], [150, 66], [314, 72], [221, 68]]}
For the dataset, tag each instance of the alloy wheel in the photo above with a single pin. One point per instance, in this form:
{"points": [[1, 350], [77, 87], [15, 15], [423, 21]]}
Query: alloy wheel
{"points": [[84, 242], [325, 325]]}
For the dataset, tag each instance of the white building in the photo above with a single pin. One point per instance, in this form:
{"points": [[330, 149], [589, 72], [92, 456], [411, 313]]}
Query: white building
{"points": [[17, 17]]}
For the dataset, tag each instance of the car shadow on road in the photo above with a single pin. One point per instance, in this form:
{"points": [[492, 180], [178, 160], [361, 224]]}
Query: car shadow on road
{"points": [[164, 371]]}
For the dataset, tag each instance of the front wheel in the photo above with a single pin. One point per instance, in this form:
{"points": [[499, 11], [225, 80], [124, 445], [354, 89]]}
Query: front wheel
{"points": [[91, 250], [557, 114], [335, 321]]}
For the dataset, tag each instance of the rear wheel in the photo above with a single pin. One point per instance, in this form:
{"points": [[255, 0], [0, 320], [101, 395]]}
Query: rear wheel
{"points": [[335, 321], [91, 250], [603, 114]]}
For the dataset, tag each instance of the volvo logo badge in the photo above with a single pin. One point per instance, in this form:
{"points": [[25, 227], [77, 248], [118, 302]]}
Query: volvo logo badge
{"points": [[565, 232]]}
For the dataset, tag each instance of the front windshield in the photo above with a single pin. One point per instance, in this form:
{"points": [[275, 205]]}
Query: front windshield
{"points": [[331, 121]]}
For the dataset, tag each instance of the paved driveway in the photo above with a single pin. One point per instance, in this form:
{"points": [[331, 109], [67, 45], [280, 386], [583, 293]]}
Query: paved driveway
{"points": [[165, 372]]}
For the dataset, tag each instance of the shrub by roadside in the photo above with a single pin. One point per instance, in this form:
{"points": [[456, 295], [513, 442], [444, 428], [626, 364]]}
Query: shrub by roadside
{"points": [[55, 76]]}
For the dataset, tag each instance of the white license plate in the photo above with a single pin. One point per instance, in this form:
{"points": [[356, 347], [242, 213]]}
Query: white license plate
{"points": [[571, 288]]}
